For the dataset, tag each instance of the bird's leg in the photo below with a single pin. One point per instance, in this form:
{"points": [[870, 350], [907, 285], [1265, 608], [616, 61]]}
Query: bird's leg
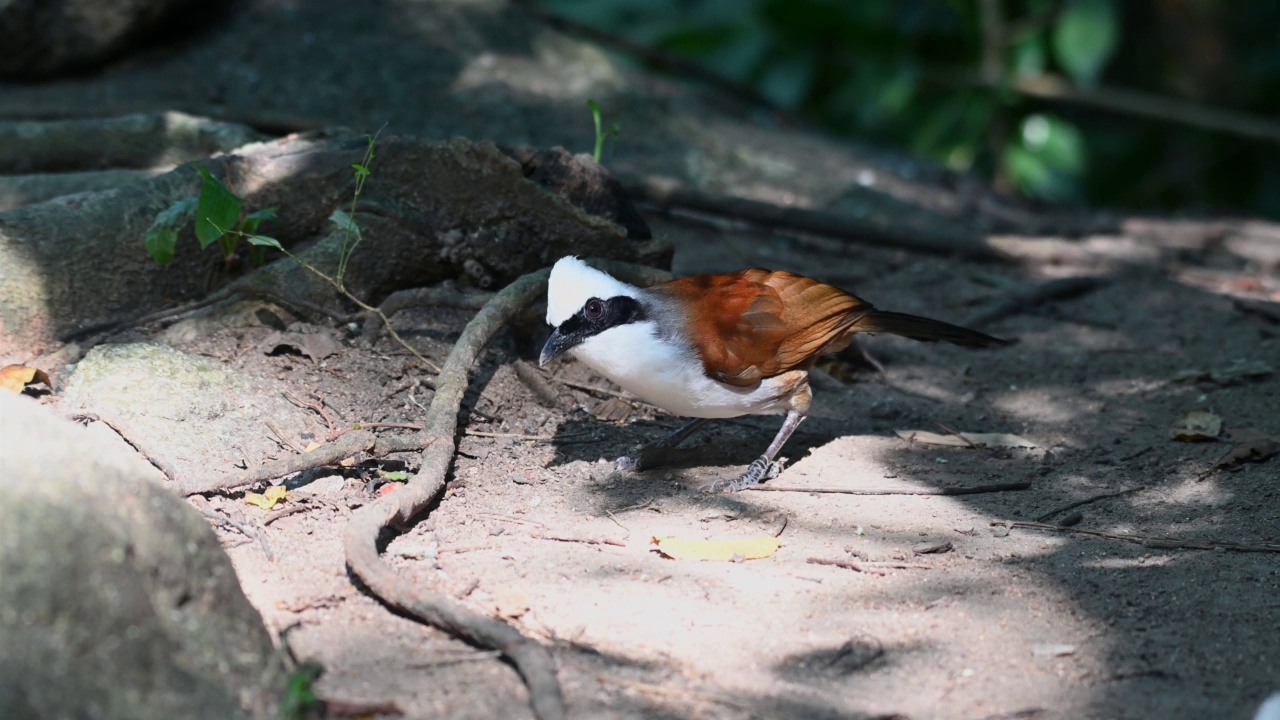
{"points": [[656, 454], [764, 467]]}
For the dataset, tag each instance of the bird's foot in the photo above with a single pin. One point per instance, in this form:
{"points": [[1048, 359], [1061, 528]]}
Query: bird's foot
{"points": [[650, 456], [757, 472]]}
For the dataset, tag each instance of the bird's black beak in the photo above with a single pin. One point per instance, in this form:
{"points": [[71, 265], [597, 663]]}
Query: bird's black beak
{"points": [[556, 345]]}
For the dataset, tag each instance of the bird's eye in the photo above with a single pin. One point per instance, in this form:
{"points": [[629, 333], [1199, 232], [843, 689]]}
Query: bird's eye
{"points": [[594, 309]]}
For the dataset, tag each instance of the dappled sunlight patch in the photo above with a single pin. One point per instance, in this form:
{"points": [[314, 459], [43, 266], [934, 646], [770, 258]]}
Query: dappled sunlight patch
{"points": [[1047, 405]]}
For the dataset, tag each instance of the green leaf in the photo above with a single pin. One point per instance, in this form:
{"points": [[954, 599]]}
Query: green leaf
{"points": [[1084, 38], [1057, 142], [396, 475], [264, 241], [217, 212], [1029, 56], [1048, 159], [162, 236], [253, 220], [161, 242]]}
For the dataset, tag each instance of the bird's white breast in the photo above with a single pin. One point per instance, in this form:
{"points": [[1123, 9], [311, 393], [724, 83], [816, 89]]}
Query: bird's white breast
{"points": [[670, 375]]}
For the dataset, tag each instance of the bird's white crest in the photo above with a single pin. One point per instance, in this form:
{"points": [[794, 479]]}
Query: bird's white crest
{"points": [[573, 282], [1270, 709]]}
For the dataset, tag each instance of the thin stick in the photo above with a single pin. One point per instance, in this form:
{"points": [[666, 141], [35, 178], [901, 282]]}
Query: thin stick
{"points": [[953, 240], [1025, 298], [583, 540], [846, 564], [975, 490], [1088, 500], [330, 453], [317, 408], [1164, 543], [249, 531]]}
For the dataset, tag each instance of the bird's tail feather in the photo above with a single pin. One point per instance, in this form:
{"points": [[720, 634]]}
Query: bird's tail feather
{"points": [[923, 329]]}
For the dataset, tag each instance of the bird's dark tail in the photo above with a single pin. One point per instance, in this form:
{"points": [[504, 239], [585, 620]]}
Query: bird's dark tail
{"points": [[923, 329]]}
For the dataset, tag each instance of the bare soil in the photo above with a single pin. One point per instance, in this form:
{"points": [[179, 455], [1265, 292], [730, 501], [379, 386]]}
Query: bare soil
{"points": [[538, 528]]}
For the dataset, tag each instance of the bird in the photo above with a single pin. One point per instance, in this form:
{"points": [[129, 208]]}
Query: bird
{"points": [[717, 345]]}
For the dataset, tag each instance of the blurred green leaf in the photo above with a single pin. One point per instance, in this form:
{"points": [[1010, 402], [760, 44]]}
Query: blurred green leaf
{"points": [[253, 220], [1084, 38], [217, 211], [1029, 56], [1048, 158], [264, 241], [344, 222], [161, 242], [1059, 143], [787, 81], [162, 237]]}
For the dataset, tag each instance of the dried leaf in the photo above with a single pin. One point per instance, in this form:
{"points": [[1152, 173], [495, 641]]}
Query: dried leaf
{"points": [[316, 346], [1248, 446], [749, 549], [965, 439], [1196, 426], [311, 446], [15, 378], [269, 499]]}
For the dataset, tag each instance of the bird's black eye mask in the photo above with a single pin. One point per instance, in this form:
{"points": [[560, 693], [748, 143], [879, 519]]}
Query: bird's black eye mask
{"points": [[595, 317], [598, 315]]}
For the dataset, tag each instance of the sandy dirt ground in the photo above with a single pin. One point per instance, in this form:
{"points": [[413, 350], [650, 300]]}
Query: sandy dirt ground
{"points": [[932, 612]]}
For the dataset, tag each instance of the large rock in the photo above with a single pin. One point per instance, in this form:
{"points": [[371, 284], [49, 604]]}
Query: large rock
{"points": [[116, 600], [195, 417], [46, 37]]}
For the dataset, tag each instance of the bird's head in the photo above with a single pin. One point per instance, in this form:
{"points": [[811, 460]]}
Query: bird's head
{"points": [[583, 303]]}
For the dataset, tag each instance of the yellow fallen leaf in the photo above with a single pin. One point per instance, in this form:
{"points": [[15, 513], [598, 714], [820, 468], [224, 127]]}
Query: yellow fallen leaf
{"points": [[311, 446], [268, 500], [1197, 425], [15, 378], [749, 549]]}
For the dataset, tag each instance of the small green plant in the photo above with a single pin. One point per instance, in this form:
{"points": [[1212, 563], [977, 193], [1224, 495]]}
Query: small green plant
{"points": [[299, 694], [218, 219], [217, 214], [602, 133]]}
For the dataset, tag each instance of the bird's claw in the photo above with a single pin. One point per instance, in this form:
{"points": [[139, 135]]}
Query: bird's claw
{"points": [[650, 456], [761, 469]]}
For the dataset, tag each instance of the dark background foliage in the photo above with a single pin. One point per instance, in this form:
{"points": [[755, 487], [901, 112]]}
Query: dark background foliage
{"points": [[1133, 104]]}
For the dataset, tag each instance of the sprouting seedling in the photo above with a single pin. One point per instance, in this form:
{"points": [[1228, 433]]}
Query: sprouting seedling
{"points": [[216, 212], [602, 133], [345, 221]]}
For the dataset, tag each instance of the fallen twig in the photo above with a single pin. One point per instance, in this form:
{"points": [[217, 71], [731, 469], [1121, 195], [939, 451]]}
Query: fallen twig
{"points": [[583, 540], [1088, 500], [330, 453], [1165, 543], [846, 564], [954, 240], [317, 408], [531, 659], [1025, 298], [249, 531], [974, 490]]}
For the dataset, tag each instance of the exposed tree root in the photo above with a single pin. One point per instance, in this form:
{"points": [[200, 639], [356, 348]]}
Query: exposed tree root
{"points": [[532, 661]]}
